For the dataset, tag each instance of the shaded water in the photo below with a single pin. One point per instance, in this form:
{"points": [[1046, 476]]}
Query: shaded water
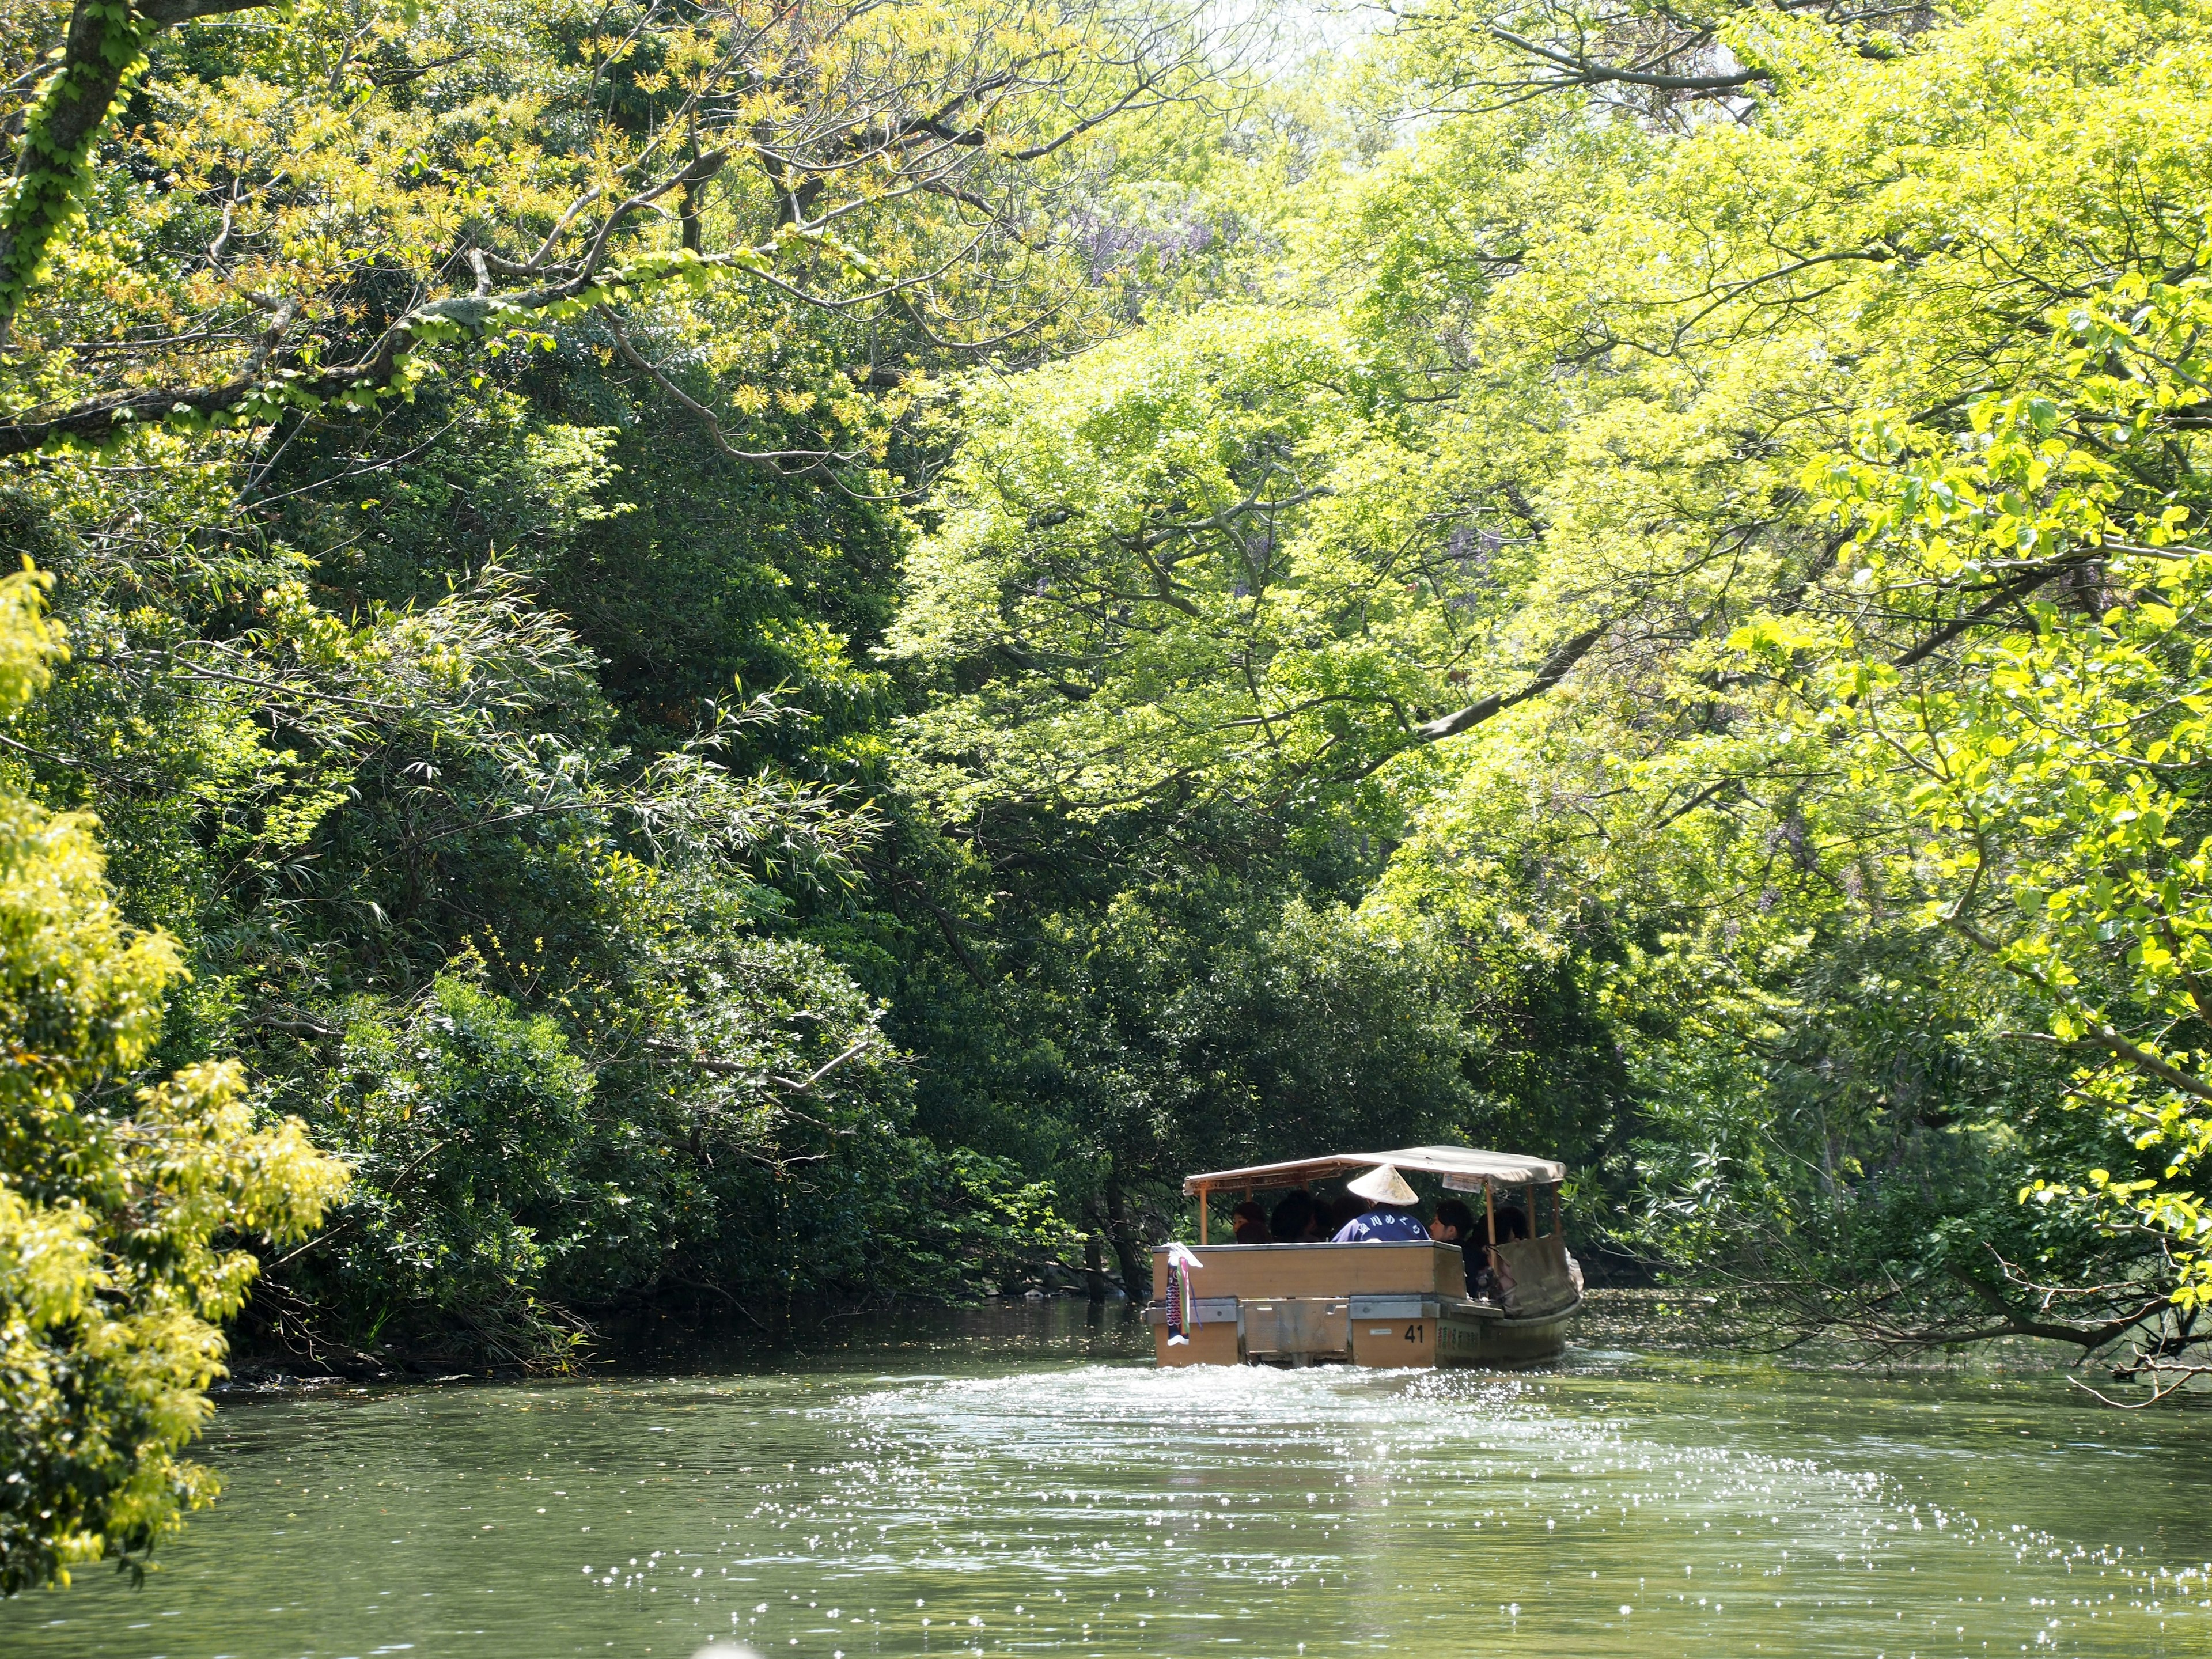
{"points": [[1022, 1482]]}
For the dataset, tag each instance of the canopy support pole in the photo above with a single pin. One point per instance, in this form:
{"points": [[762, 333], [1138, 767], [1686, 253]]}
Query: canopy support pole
{"points": [[1201, 1215]]}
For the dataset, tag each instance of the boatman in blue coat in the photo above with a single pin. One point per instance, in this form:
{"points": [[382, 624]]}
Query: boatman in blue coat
{"points": [[1392, 1221]]}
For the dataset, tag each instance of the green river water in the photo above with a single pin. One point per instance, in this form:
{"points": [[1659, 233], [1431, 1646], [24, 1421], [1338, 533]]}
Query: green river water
{"points": [[1025, 1481]]}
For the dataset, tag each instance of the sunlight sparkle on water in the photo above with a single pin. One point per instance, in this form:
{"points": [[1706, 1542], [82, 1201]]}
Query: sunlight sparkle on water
{"points": [[1056, 1494]]}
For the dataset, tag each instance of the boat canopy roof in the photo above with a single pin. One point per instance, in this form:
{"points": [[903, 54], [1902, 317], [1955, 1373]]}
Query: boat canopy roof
{"points": [[1464, 1168]]}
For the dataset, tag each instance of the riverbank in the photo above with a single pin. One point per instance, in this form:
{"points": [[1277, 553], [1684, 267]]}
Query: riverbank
{"points": [[1645, 1318]]}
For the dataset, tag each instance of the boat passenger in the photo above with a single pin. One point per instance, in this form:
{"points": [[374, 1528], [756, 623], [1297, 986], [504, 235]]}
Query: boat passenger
{"points": [[1455, 1225], [1392, 1220], [1512, 1223], [1293, 1222], [1250, 1222]]}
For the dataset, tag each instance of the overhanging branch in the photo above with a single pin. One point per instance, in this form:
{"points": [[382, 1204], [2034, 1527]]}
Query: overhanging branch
{"points": [[1554, 669], [1576, 71]]}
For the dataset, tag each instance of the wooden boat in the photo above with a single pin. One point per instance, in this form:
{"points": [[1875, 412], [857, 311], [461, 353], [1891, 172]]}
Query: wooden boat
{"points": [[1374, 1304]]}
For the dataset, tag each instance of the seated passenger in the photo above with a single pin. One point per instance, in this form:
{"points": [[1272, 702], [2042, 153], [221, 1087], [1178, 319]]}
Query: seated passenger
{"points": [[1512, 1223], [1251, 1224], [1455, 1225], [1392, 1220], [1292, 1221]]}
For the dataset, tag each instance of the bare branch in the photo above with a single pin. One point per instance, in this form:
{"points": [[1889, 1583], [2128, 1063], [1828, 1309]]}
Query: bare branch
{"points": [[1587, 72], [768, 461], [1554, 669]]}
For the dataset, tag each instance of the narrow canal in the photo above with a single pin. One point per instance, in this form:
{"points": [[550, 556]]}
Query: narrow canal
{"points": [[1026, 1482]]}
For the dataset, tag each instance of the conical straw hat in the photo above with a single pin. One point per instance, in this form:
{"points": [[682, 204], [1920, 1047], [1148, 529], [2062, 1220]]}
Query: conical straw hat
{"points": [[1385, 1185]]}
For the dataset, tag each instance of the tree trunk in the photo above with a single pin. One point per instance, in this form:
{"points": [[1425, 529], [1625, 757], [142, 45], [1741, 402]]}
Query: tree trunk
{"points": [[104, 42], [1136, 1262], [1094, 1268]]}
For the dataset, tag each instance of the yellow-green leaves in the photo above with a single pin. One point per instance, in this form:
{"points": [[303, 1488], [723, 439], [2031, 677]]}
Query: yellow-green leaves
{"points": [[29, 640], [1192, 555], [2050, 770], [339, 200], [1779, 640], [120, 1212]]}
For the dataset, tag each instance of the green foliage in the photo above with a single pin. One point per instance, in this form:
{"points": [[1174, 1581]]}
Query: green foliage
{"points": [[108, 40], [472, 1130], [122, 1209], [1177, 560], [1490, 538], [1793, 751], [2051, 780]]}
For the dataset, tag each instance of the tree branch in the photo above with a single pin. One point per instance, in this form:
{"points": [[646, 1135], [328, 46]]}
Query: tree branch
{"points": [[2099, 1033], [2017, 588], [1583, 72], [1555, 668], [106, 42], [768, 461]]}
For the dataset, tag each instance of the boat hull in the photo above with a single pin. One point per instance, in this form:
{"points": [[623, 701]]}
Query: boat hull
{"points": [[1295, 1332], [1383, 1306], [1488, 1339], [1379, 1332]]}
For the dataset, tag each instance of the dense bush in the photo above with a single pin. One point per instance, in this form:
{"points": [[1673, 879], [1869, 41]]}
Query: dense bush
{"points": [[126, 1211]]}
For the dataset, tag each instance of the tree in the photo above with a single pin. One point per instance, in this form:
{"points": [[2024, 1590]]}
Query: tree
{"points": [[2050, 779], [122, 1207], [1652, 366], [1185, 564], [358, 358], [884, 164], [1487, 536]]}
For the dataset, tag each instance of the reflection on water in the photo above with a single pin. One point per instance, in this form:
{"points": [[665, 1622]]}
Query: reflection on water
{"points": [[1015, 1484]]}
